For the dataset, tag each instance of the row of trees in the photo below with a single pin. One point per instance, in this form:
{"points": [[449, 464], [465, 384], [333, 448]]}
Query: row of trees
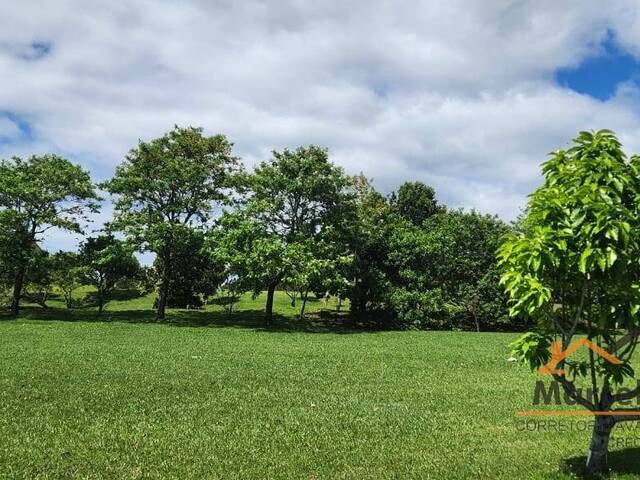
{"points": [[295, 222]]}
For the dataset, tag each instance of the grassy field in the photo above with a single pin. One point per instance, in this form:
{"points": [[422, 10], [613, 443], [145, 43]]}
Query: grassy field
{"points": [[213, 396]]}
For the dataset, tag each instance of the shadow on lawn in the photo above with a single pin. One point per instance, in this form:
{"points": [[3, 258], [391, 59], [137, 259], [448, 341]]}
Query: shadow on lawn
{"points": [[251, 319], [626, 461]]}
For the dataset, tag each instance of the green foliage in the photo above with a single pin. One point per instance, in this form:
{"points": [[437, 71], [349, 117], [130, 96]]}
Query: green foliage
{"points": [[575, 265], [370, 221], [532, 349], [195, 274], [614, 373], [166, 184], [12, 253], [287, 227], [447, 267], [38, 194], [416, 202], [420, 309], [106, 261], [38, 281], [66, 273], [46, 191]]}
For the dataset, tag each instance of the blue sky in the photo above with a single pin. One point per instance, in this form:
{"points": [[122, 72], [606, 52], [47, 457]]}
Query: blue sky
{"points": [[600, 74], [468, 97]]}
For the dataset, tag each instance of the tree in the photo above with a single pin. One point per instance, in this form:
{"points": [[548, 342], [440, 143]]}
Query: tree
{"points": [[166, 184], [294, 200], [38, 279], [66, 274], [195, 273], [574, 268], [316, 265], [37, 194], [369, 221], [9, 253], [416, 202], [106, 261], [229, 294], [443, 271]]}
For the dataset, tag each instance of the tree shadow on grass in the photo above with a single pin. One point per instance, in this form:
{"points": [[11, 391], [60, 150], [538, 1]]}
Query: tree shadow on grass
{"points": [[249, 319], [621, 462]]}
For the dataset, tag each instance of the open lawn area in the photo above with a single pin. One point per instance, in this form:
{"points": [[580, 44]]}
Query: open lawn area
{"points": [[229, 399]]}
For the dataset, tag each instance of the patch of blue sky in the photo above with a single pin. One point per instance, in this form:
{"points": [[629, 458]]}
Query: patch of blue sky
{"points": [[598, 76], [16, 128]]}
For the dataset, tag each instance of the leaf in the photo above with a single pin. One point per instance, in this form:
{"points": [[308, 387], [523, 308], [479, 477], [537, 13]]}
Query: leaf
{"points": [[582, 264], [602, 263]]}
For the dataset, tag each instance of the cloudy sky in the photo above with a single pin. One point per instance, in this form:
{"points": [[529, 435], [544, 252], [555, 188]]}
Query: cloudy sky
{"points": [[467, 96]]}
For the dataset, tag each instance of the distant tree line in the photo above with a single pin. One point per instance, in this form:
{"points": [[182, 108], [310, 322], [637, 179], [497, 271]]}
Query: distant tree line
{"points": [[296, 222]]}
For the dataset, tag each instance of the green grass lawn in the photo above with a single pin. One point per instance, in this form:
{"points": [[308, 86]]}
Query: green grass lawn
{"points": [[224, 398]]}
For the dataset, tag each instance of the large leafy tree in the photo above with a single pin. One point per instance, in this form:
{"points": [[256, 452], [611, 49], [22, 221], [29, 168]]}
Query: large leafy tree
{"points": [[37, 194], [294, 201], [106, 261], [38, 281], [416, 202], [168, 183], [369, 222], [574, 268], [444, 271], [196, 275], [9, 252]]}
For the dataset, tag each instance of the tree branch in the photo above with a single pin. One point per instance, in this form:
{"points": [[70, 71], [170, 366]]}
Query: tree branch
{"points": [[621, 397], [628, 417], [570, 389]]}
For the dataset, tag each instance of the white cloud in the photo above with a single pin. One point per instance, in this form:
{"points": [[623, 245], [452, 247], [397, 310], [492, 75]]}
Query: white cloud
{"points": [[459, 94]]}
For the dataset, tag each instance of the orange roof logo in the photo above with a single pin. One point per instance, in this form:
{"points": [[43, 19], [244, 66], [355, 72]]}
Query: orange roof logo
{"points": [[558, 355]]}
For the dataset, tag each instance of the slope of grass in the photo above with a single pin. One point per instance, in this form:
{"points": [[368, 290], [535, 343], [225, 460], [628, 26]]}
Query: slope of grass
{"points": [[113, 399], [248, 310]]}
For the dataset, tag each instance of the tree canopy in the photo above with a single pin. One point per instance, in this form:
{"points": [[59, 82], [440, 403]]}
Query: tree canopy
{"points": [[173, 181], [574, 268], [106, 261], [290, 216], [37, 194], [416, 202], [295, 222]]}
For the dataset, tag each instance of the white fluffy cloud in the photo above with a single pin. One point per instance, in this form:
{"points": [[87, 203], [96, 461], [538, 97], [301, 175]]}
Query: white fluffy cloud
{"points": [[459, 94]]}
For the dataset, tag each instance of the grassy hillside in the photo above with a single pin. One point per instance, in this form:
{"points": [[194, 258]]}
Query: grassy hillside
{"points": [[113, 399], [248, 311]]}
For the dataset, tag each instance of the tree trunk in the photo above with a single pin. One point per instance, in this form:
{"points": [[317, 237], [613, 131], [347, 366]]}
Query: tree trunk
{"points": [[268, 316], [164, 287], [599, 448], [17, 291], [162, 301], [100, 302], [304, 304], [45, 298], [293, 296], [475, 319]]}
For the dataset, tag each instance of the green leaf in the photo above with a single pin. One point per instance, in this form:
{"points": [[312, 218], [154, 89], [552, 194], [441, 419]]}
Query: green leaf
{"points": [[584, 256]]}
